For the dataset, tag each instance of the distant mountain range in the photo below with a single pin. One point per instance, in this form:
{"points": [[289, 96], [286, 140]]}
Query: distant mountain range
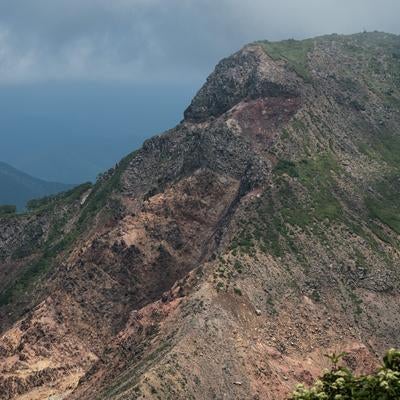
{"points": [[17, 187]]}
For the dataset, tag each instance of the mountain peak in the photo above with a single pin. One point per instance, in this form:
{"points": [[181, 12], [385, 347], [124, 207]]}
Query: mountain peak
{"points": [[267, 69], [248, 74]]}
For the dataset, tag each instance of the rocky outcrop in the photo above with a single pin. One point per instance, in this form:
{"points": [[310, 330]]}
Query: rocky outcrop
{"points": [[248, 74]]}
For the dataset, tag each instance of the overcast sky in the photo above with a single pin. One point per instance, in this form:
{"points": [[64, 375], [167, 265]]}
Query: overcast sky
{"points": [[84, 82], [161, 40]]}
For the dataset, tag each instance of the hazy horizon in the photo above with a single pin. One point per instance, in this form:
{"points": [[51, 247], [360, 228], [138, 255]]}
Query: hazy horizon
{"points": [[84, 83], [71, 132]]}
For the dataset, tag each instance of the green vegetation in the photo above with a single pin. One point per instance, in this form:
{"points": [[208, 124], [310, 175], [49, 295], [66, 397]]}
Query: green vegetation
{"points": [[304, 194], [316, 175], [30, 275], [7, 210], [41, 204], [388, 146], [102, 191], [385, 205], [56, 243], [386, 212], [383, 147], [382, 200], [340, 384], [237, 291], [58, 239], [294, 52], [238, 266], [357, 302], [286, 167]]}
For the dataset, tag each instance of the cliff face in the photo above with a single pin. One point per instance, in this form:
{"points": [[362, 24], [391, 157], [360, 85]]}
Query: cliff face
{"points": [[224, 258]]}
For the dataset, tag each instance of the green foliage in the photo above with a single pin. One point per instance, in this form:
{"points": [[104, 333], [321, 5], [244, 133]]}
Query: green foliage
{"points": [[383, 147], [238, 266], [386, 212], [349, 84], [291, 205], [382, 200], [237, 291], [294, 52], [58, 240], [31, 274], [103, 189], [7, 210], [286, 167], [335, 358], [392, 360], [38, 268], [340, 384], [385, 205], [316, 174], [70, 196]]}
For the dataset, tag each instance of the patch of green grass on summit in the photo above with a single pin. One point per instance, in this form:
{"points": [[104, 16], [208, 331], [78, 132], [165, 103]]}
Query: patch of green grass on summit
{"points": [[294, 52]]}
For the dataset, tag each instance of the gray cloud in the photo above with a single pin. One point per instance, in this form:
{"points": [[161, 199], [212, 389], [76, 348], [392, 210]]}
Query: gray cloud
{"points": [[161, 40]]}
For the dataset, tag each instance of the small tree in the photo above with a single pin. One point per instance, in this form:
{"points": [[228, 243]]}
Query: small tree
{"points": [[340, 384]]}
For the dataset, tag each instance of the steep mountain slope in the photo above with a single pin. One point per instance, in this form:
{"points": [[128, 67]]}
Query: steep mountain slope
{"points": [[227, 256], [17, 188]]}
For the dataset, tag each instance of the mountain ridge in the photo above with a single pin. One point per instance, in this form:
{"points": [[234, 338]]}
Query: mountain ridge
{"points": [[224, 258]]}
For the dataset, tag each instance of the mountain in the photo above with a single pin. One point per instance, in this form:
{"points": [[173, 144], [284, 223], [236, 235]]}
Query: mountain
{"points": [[227, 256], [17, 188]]}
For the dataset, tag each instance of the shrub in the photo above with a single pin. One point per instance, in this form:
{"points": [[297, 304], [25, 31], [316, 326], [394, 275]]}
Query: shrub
{"points": [[286, 167], [237, 291], [340, 384]]}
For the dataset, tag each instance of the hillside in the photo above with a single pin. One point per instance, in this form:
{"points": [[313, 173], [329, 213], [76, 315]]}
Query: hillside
{"points": [[17, 187], [227, 256]]}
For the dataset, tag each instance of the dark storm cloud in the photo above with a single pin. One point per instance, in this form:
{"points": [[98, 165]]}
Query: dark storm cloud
{"points": [[161, 40]]}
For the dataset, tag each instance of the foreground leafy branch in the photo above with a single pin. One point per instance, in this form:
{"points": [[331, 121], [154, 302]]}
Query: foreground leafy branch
{"points": [[340, 384]]}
